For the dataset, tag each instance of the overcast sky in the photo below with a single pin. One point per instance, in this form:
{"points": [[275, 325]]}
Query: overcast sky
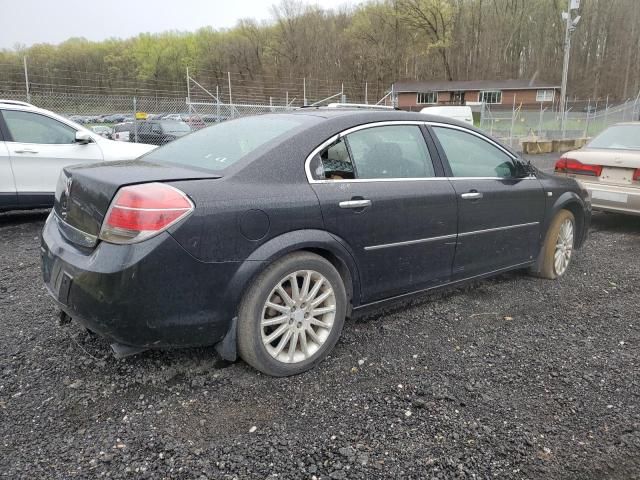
{"points": [[52, 21]]}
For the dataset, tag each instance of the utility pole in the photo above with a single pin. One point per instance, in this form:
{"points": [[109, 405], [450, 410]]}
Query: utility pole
{"points": [[570, 26]]}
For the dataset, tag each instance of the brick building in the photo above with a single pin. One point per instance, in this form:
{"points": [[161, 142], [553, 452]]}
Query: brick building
{"points": [[415, 95]]}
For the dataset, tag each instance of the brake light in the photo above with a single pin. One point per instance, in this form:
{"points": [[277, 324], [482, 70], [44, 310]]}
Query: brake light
{"points": [[139, 212], [636, 175], [570, 165]]}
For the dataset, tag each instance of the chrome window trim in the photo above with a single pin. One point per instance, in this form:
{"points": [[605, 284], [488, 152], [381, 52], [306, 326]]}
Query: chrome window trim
{"points": [[446, 237], [329, 141]]}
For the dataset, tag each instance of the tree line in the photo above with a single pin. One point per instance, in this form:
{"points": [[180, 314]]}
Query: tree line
{"points": [[375, 42]]}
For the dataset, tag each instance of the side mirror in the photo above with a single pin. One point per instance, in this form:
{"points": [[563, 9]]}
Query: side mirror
{"points": [[83, 138], [523, 168]]}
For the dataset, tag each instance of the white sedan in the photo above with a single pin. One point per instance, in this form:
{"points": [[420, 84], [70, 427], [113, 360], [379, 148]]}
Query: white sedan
{"points": [[35, 145]]}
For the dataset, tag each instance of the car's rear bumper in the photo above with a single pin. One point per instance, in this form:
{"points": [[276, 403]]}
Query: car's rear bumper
{"points": [[150, 295], [613, 198]]}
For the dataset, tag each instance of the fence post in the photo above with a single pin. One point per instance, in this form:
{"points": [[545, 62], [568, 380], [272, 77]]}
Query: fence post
{"points": [[513, 121], [606, 111], [540, 122], [304, 91], [366, 93], [286, 99], [135, 119], [26, 79], [217, 103], [586, 127], [230, 98]]}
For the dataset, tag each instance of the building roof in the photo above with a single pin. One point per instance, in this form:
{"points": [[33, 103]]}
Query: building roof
{"points": [[446, 86]]}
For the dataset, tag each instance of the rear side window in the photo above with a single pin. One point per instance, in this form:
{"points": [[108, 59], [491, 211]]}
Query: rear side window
{"points": [[27, 127], [220, 146], [397, 151], [394, 151], [471, 156]]}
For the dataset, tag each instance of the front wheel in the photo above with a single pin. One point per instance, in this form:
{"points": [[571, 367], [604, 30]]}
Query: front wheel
{"points": [[557, 251], [292, 315]]}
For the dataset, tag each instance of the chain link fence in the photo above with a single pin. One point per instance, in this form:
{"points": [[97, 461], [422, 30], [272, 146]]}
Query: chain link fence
{"points": [[582, 120], [114, 116]]}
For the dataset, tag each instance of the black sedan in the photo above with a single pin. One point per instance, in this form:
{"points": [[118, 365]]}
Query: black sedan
{"points": [[262, 234]]}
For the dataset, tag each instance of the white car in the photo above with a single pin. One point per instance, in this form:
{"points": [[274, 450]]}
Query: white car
{"points": [[35, 145], [461, 113]]}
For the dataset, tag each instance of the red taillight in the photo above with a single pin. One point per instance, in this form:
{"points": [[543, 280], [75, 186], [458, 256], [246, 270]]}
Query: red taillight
{"points": [[139, 212], [570, 165], [636, 175]]}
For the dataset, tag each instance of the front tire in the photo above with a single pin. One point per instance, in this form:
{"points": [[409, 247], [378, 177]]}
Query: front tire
{"points": [[557, 251], [292, 315]]}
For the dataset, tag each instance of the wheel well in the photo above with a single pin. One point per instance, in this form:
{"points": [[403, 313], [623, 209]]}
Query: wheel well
{"points": [[343, 270], [577, 211]]}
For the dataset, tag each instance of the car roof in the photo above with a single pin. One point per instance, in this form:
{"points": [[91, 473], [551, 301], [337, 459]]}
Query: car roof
{"points": [[360, 115]]}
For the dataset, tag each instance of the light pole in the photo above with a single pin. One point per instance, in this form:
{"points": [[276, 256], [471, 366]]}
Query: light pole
{"points": [[571, 24]]}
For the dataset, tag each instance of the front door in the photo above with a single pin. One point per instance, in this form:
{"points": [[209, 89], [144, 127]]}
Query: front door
{"points": [[8, 197], [379, 192], [39, 147], [499, 214]]}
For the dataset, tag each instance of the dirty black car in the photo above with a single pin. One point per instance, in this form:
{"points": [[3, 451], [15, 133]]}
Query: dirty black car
{"points": [[262, 234]]}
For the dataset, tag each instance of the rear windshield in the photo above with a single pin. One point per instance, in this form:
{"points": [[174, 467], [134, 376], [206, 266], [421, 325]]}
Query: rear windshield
{"points": [[175, 127], [220, 146], [626, 137]]}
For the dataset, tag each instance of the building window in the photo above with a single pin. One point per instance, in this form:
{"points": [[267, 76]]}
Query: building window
{"points": [[490, 97], [427, 97], [545, 95]]}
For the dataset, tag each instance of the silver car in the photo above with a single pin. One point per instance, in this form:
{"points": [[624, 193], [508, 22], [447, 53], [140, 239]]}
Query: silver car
{"points": [[609, 168]]}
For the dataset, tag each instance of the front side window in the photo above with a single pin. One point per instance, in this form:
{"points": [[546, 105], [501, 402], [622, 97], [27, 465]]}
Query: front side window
{"points": [[471, 156], [491, 97], [28, 127], [427, 97]]}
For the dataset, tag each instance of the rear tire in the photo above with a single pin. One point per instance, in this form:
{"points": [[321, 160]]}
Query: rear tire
{"points": [[286, 328], [557, 251]]}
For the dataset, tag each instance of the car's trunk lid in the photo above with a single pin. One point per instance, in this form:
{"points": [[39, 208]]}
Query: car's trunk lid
{"points": [[84, 193]]}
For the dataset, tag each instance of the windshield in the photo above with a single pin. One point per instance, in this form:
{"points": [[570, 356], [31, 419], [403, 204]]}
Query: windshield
{"points": [[219, 146], [175, 127], [626, 137]]}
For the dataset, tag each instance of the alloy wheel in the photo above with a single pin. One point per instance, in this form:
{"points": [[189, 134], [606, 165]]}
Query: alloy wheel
{"points": [[298, 316], [564, 247]]}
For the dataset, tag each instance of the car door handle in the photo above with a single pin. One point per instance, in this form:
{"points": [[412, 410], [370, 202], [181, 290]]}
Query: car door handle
{"points": [[355, 204], [26, 150], [471, 195]]}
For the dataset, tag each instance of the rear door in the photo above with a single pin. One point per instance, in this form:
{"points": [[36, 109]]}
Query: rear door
{"points": [[39, 147], [382, 193], [499, 214]]}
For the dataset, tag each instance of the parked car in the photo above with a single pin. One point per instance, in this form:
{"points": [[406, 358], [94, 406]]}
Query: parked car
{"points": [[173, 116], [35, 145], [461, 113], [264, 233], [195, 122], [122, 132], [102, 130], [159, 132], [609, 168]]}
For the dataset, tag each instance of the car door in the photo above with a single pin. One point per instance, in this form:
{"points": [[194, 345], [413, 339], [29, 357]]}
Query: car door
{"points": [[8, 196], [39, 147], [499, 211], [381, 192]]}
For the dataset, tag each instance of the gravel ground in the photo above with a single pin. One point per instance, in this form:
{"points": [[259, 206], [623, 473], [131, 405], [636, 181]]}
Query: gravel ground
{"points": [[513, 377]]}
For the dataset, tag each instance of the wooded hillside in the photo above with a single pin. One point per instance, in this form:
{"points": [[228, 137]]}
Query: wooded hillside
{"points": [[376, 42]]}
